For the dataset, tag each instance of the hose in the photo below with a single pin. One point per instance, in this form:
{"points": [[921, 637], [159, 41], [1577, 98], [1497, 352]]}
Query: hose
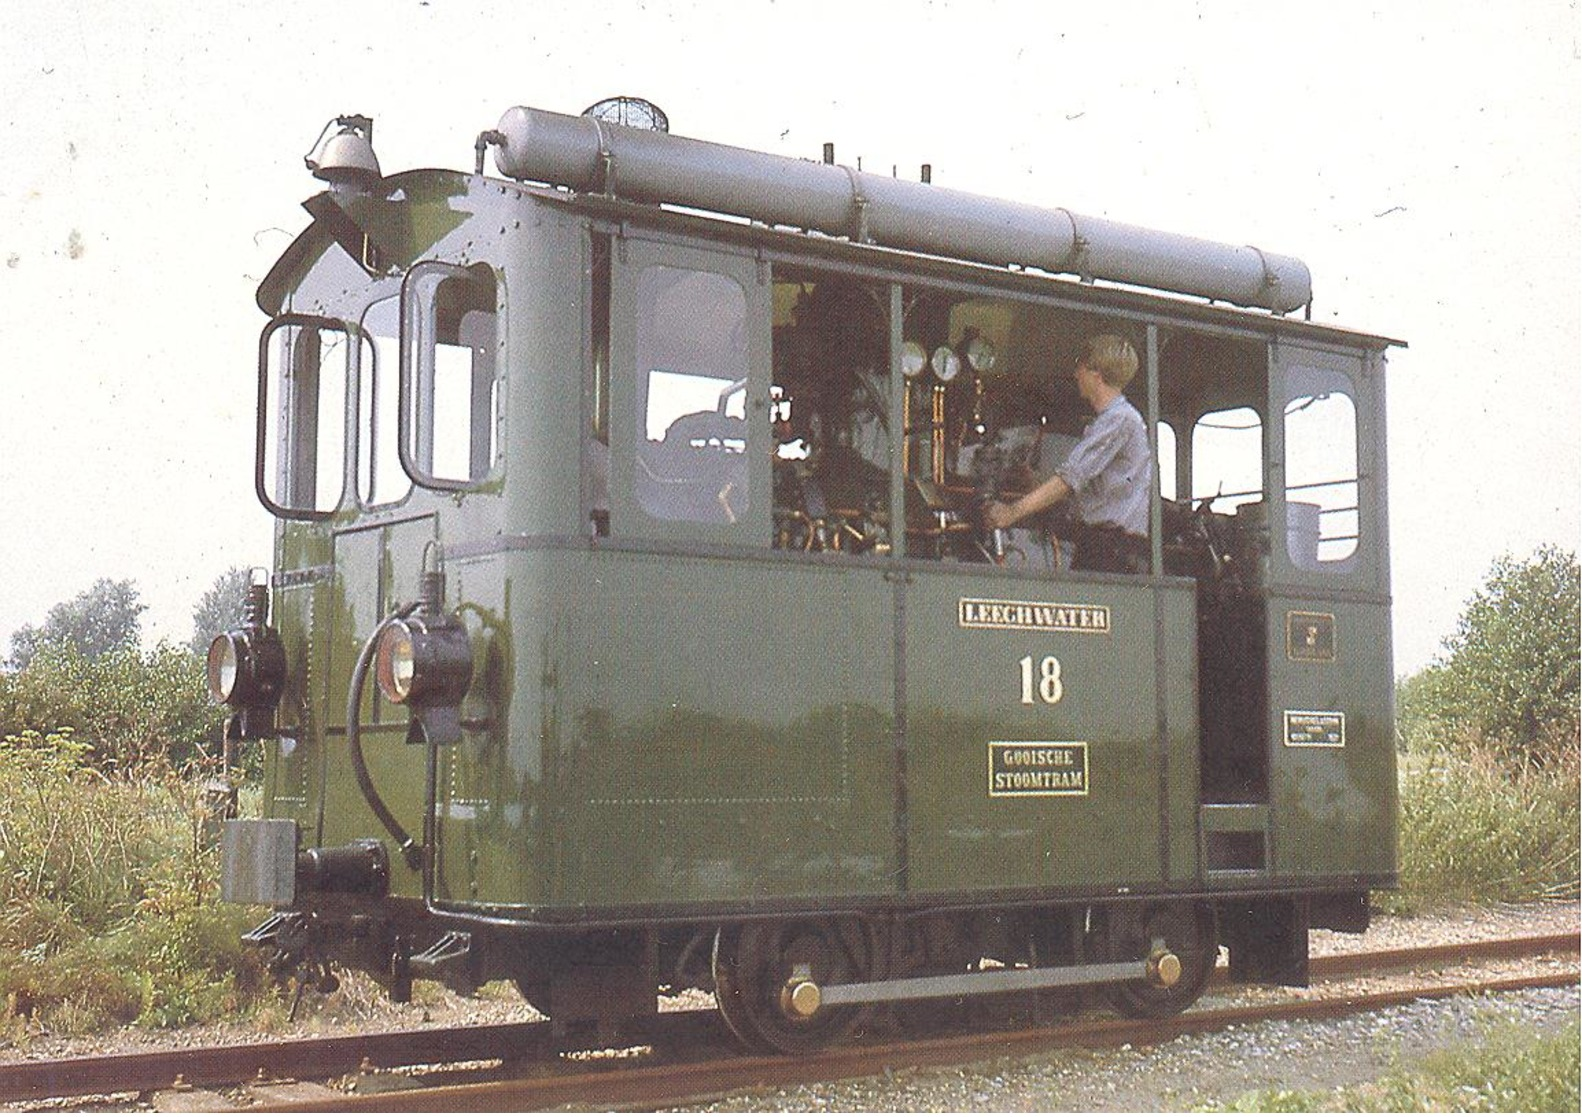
{"points": [[410, 850]]}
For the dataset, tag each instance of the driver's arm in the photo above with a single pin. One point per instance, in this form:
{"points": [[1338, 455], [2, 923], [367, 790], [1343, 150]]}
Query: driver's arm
{"points": [[1050, 493]]}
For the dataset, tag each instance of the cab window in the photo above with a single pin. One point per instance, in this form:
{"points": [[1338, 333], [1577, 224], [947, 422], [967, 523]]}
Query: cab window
{"points": [[829, 410], [302, 397], [449, 380], [692, 460], [1165, 456], [1227, 458], [1321, 472], [992, 412]]}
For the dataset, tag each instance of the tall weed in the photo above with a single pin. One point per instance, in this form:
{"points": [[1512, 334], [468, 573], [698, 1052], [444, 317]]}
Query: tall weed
{"points": [[108, 894], [1480, 824]]}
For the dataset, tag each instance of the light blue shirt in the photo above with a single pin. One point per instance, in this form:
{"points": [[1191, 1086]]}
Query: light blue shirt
{"points": [[1111, 468]]}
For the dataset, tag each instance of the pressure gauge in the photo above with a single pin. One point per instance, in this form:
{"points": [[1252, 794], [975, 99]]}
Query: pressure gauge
{"points": [[981, 354], [946, 364], [914, 358]]}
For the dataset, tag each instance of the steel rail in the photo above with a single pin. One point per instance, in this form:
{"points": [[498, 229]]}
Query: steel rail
{"points": [[1330, 966], [657, 1087], [31, 1080], [302, 1059]]}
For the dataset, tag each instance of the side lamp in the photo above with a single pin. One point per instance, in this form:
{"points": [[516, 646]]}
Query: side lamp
{"points": [[247, 668]]}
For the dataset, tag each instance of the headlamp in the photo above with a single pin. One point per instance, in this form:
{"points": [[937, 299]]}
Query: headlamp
{"points": [[424, 661], [247, 667]]}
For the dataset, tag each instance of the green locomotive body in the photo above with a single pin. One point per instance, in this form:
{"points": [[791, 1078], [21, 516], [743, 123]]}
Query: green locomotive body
{"points": [[634, 628]]}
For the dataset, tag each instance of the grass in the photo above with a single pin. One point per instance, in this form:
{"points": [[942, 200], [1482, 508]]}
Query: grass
{"points": [[1512, 1069], [1479, 826]]}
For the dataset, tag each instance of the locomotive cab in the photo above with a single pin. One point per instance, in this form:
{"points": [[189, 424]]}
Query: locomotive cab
{"points": [[634, 622]]}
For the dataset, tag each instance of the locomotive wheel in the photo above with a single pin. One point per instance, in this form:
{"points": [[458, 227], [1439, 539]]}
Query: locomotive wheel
{"points": [[1186, 930], [751, 965]]}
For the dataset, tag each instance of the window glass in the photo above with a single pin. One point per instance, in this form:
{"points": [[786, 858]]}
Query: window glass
{"points": [[464, 400], [453, 391], [1227, 458], [692, 461], [1321, 478], [380, 478], [829, 410], [1167, 461], [993, 411], [305, 438]]}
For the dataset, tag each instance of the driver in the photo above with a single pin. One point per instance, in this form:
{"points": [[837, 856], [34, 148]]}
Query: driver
{"points": [[1107, 475]]}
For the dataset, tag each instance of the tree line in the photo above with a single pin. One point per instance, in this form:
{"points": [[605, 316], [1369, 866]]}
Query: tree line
{"points": [[83, 675], [1507, 679]]}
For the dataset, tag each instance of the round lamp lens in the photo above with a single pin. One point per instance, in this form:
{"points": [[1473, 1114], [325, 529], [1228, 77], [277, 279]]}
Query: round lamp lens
{"points": [[222, 668], [396, 663]]}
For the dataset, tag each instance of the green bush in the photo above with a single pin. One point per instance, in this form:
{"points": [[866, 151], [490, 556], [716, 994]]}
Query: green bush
{"points": [[128, 708], [1511, 675], [1489, 774]]}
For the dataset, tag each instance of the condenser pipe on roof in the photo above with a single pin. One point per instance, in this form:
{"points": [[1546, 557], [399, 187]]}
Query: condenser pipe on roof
{"points": [[585, 154]]}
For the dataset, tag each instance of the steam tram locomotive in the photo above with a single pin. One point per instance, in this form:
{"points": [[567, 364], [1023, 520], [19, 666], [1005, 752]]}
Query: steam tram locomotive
{"points": [[632, 625]]}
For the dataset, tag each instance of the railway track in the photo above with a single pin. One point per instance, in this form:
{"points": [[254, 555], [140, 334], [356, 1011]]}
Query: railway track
{"points": [[280, 1074]]}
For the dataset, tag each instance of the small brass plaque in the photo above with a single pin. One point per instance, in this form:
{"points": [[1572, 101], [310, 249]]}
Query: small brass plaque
{"points": [[1315, 729], [1032, 616], [1037, 768], [1310, 637]]}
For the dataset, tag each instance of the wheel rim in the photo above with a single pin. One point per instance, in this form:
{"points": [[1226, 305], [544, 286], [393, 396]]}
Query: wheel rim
{"points": [[751, 965], [1187, 931]]}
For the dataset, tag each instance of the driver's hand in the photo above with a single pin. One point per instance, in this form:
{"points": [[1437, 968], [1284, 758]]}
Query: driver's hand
{"points": [[998, 515]]}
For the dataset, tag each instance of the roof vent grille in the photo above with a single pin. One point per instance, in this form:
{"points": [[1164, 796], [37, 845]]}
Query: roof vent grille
{"points": [[632, 112]]}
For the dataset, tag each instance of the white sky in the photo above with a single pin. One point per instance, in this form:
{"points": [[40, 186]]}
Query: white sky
{"points": [[1422, 158]]}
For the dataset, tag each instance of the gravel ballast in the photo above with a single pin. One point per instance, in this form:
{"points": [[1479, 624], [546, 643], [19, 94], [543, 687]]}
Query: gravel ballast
{"points": [[1185, 1073]]}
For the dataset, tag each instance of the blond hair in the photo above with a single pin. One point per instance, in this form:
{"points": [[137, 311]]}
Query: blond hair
{"points": [[1113, 358]]}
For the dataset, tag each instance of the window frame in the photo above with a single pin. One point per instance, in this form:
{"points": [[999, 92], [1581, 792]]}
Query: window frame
{"points": [[1300, 371], [318, 322], [418, 329], [631, 256], [1296, 368]]}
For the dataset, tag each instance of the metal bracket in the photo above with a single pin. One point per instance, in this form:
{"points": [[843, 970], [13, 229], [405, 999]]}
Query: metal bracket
{"points": [[859, 202], [606, 161]]}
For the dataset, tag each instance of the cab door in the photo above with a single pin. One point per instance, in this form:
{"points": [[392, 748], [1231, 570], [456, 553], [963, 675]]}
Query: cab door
{"points": [[1331, 731]]}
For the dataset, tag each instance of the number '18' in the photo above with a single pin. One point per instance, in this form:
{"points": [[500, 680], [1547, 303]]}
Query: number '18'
{"points": [[1044, 683]]}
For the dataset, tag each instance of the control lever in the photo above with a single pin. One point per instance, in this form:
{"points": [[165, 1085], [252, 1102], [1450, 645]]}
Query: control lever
{"points": [[991, 541]]}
